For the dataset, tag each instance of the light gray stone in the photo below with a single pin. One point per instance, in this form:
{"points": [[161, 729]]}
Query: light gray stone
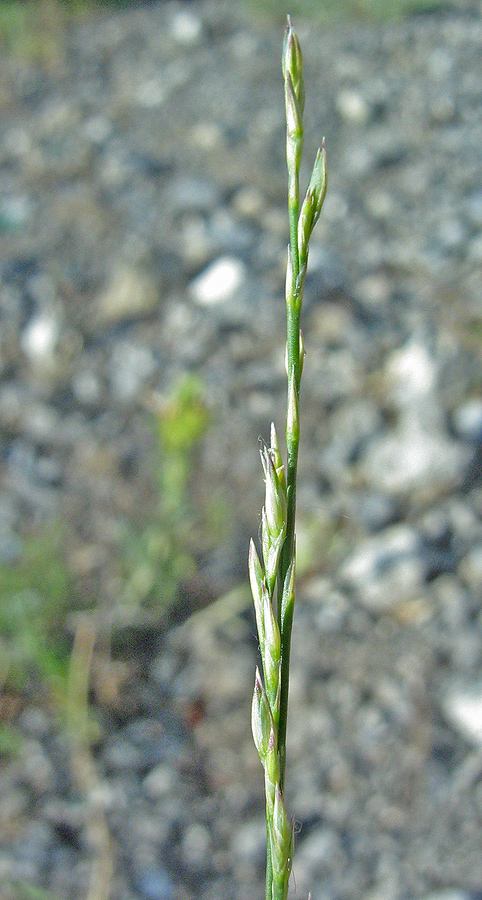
{"points": [[416, 461], [387, 570], [159, 782], [467, 421], [130, 294]]}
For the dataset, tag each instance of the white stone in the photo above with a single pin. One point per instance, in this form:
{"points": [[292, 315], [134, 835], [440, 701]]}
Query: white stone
{"points": [[464, 711], [218, 282], [186, 28], [353, 107], [40, 337], [412, 373]]}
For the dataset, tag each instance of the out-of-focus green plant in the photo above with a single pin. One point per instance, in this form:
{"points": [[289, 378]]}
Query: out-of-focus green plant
{"points": [[35, 597], [185, 523], [23, 890], [10, 741], [33, 31]]}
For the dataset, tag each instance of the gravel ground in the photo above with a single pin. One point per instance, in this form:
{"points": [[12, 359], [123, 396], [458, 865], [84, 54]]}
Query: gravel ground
{"points": [[143, 238]]}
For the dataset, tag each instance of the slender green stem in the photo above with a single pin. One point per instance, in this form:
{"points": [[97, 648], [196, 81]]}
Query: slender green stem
{"points": [[269, 862], [273, 578], [294, 94], [293, 213], [292, 444], [292, 441]]}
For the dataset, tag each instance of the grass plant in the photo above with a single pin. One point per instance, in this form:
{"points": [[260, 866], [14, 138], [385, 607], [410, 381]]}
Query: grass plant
{"points": [[272, 577]]}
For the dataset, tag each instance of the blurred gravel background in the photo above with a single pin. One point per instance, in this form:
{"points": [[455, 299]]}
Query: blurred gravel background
{"points": [[142, 238]]}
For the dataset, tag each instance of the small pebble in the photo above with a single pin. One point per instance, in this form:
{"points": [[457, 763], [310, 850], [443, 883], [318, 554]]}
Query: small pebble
{"points": [[218, 283], [196, 846], [463, 709], [186, 28], [353, 107], [467, 421], [40, 338], [159, 782]]}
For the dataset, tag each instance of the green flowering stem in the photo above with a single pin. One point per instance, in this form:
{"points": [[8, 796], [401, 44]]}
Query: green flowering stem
{"points": [[272, 576], [300, 232]]}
